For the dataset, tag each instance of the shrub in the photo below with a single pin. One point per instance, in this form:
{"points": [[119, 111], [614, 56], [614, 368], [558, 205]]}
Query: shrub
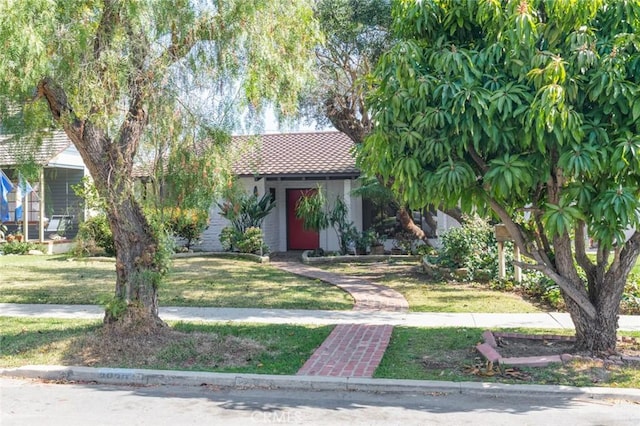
{"points": [[94, 234], [16, 247], [252, 241], [246, 211], [631, 296], [229, 237], [316, 214], [188, 224], [473, 246]]}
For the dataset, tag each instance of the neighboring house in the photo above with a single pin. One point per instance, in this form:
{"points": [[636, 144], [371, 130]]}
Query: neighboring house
{"points": [[53, 207], [286, 166]]}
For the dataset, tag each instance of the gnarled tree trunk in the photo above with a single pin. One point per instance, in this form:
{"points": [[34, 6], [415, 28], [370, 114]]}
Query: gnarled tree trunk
{"points": [[110, 162], [595, 335], [137, 269]]}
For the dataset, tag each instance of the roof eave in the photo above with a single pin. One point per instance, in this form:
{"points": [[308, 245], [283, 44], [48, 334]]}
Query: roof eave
{"points": [[304, 176]]}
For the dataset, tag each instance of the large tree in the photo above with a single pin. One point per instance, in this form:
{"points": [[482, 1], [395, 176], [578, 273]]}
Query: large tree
{"points": [[355, 34], [529, 108], [110, 73]]}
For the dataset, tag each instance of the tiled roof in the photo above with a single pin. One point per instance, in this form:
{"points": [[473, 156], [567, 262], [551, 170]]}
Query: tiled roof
{"points": [[12, 153], [295, 155]]}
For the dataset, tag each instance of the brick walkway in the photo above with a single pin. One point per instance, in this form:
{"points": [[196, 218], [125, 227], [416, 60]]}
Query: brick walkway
{"points": [[351, 350], [367, 295]]}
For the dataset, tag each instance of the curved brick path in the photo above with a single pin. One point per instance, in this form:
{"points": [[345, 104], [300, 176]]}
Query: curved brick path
{"points": [[351, 350]]}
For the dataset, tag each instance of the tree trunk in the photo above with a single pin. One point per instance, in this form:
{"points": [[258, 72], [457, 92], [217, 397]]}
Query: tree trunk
{"points": [[110, 162], [594, 305], [137, 269], [595, 336], [409, 225]]}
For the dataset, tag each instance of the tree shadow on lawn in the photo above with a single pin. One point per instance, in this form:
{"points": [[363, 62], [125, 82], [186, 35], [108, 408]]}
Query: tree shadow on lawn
{"points": [[271, 349], [450, 354]]}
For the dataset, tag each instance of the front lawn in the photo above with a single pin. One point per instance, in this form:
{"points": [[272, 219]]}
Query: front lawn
{"points": [[450, 354], [242, 348], [414, 353], [195, 281], [427, 296]]}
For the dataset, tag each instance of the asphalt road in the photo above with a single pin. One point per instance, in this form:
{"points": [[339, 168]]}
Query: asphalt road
{"points": [[25, 402]]}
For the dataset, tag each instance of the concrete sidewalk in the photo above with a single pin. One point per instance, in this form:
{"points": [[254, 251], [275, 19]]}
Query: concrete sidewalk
{"points": [[551, 320]]}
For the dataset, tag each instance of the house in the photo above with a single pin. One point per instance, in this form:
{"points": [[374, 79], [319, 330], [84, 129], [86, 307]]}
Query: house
{"points": [[52, 210], [286, 166]]}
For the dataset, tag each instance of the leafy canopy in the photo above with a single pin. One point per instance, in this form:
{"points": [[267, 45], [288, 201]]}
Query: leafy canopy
{"points": [[207, 59], [513, 104]]}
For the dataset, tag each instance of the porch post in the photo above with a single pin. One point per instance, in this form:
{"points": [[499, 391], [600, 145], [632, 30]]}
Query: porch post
{"points": [[25, 217], [41, 195], [346, 196]]}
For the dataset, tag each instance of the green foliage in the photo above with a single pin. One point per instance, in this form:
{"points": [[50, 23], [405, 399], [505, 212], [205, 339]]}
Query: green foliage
{"points": [[631, 296], [363, 240], [472, 246], [197, 168], [129, 82], [229, 237], [538, 287], [246, 211], [188, 224], [404, 241], [311, 208], [529, 110], [252, 241], [263, 46], [316, 213], [18, 247], [93, 234], [354, 29], [483, 100], [249, 241], [113, 306], [87, 190]]}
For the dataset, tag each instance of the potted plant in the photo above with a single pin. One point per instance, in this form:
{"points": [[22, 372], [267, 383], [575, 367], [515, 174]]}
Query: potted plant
{"points": [[377, 244], [363, 240], [19, 235]]}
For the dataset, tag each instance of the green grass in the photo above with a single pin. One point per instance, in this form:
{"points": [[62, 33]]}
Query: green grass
{"points": [[246, 348], [196, 281], [449, 353], [427, 296], [26, 341]]}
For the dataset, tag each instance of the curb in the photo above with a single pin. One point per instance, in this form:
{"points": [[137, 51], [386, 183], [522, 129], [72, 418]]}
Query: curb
{"points": [[141, 377]]}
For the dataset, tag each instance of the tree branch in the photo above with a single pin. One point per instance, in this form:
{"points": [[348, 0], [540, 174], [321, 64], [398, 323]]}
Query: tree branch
{"points": [[477, 159], [106, 29], [581, 253]]}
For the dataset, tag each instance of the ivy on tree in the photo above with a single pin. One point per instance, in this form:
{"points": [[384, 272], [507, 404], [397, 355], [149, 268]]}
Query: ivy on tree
{"points": [[529, 109]]}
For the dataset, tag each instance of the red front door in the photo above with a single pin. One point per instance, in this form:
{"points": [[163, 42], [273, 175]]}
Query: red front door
{"points": [[299, 238]]}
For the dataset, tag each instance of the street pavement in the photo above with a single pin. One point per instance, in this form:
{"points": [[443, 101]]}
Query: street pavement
{"points": [[44, 403]]}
